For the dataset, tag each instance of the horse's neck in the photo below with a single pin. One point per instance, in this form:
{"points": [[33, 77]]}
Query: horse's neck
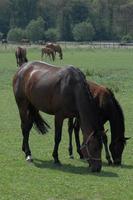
{"points": [[116, 121], [87, 110]]}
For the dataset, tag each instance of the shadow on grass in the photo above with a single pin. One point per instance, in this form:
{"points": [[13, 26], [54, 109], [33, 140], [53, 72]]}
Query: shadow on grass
{"points": [[127, 166], [124, 166], [71, 168]]}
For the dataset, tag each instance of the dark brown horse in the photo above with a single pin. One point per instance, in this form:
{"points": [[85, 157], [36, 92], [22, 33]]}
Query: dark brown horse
{"points": [[56, 48], [20, 54], [109, 110], [39, 86], [48, 52]]}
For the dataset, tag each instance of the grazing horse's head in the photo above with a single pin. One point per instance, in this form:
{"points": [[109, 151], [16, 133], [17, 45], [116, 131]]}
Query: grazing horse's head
{"points": [[91, 150], [116, 149], [117, 124]]}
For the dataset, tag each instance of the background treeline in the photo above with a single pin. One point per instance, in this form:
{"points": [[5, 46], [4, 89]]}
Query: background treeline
{"points": [[67, 20]]}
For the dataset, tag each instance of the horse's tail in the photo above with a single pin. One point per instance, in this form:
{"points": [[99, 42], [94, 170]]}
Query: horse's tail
{"points": [[40, 125]]}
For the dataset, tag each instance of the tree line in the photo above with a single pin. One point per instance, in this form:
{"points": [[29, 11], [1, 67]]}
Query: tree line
{"points": [[73, 20]]}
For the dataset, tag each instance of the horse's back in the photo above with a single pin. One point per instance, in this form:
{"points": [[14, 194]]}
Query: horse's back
{"points": [[48, 87]]}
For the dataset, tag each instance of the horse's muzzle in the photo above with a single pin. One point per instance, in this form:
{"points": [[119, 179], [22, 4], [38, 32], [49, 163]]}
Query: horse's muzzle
{"points": [[117, 162], [95, 166]]}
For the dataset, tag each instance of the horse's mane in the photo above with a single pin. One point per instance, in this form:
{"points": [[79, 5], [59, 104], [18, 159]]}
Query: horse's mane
{"points": [[119, 109], [89, 95]]}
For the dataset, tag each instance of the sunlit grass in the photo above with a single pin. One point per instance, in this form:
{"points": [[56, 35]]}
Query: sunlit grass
{"points": [[73, 180]]}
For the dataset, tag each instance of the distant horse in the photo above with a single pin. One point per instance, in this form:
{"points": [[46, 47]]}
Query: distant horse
{"points": [[41, 42], [25, 41], [39, 86], [109, 110], [4, 41], [20, 54], [56, 48], [48, 52]]}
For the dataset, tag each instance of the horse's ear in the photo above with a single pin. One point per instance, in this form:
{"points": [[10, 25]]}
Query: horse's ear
{"points": [[127, 138]]}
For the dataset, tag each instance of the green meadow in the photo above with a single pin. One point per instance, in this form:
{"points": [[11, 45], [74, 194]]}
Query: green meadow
{"points": [[41, 180]]}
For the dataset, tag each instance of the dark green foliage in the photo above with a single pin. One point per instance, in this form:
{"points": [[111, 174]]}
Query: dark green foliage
{"points": [[110, 19], [35, 29], [15, 34], [51, 35], [83, 32], [64, 21]]}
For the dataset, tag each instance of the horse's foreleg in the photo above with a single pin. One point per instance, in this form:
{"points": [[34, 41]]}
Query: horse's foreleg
{"points": [[42, 55], [105, 142], [76, 131], [58, 134], [70, 130], [53, 56]]}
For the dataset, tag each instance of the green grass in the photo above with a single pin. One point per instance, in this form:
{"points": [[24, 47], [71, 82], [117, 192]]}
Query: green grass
{"points": [[73, 180]]}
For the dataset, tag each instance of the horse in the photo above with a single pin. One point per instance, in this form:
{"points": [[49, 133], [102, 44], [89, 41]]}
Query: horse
{"points": [[109, 110], [56, 48], [39, 86], [4, 41], [20, 54], [41, 42], [25, 41], [48, 52]]}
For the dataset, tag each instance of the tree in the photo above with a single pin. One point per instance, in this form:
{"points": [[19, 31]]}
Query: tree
{"points": [[79, 11], [65, 30], [51, 35], [15, 34], [4, 16], [83, 32], [22, 12], [35, 29]]}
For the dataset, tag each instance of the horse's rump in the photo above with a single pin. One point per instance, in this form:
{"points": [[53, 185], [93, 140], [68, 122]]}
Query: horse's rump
{"points": [[21, 56]]}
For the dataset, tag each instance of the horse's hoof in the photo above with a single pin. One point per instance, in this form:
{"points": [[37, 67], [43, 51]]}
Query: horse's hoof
{"points": [[71, 157], [57, 163], [29, 159], [81, 157]]}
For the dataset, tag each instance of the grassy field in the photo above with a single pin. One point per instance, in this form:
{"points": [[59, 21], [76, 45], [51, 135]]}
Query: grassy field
{"points": [[73, 180]]}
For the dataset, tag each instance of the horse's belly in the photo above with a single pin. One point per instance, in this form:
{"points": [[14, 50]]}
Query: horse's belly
{"points": [[53, 104]]}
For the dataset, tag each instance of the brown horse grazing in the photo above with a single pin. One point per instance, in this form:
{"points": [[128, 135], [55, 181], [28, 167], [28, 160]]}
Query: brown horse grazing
{"points": [[20, 54], [109, 110], [48, 52], [39, 86], [56, 48]]}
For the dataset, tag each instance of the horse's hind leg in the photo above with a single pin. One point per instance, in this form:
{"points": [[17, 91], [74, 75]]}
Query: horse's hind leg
{"points": [[58, 134], [26, 125], [42, 55], [105, 142], [70, 130], [76, 131]]}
